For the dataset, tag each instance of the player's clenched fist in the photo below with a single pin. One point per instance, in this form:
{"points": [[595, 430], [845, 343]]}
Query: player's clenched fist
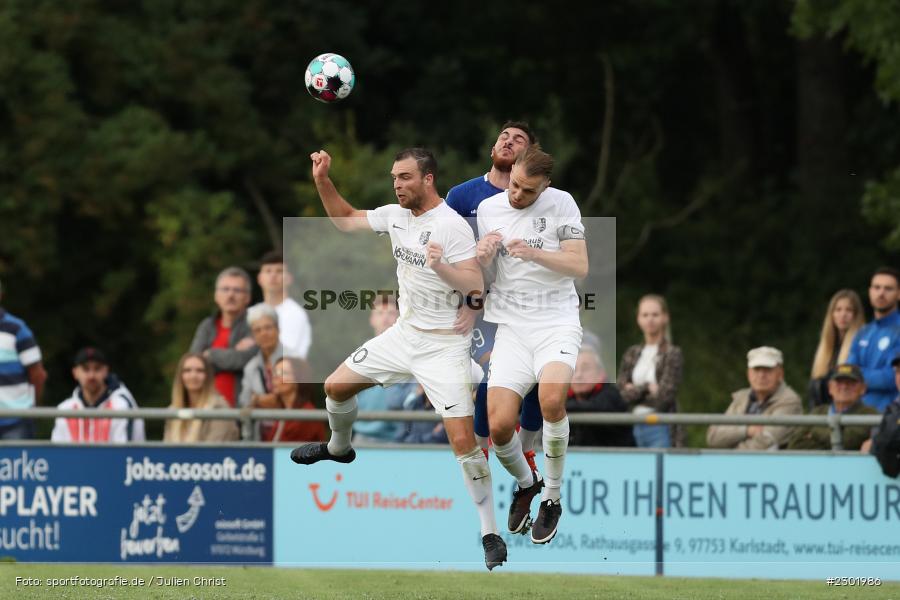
{"points": [[321, 161], [433, 254], [519, 249], [487, 248]]}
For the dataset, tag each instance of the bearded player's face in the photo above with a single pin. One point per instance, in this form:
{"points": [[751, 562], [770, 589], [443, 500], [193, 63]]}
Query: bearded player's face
{"points": [[511, 142], [409, 183]]}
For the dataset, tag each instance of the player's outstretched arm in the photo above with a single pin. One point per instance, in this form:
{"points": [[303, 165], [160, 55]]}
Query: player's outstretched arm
{"points": [[571, 260], [342, 214]]}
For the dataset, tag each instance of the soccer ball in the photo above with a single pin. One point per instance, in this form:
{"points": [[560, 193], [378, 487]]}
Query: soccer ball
{"points": [[329, 78]]}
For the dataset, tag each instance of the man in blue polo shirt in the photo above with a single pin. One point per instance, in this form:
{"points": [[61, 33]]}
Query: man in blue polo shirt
{"points": [[876, 344], [514, 138], [22, 374]]}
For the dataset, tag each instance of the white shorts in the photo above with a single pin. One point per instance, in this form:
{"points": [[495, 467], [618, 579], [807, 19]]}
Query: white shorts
{"points": [[521, 353], [440, 363]]}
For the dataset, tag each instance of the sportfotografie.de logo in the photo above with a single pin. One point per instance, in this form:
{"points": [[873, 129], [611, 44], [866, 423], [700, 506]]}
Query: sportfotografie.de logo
{"points": [[365, 299]]}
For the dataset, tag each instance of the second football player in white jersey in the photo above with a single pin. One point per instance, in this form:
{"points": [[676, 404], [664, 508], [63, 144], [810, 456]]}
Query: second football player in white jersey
{"points": [[436, 267], [533, 236]]}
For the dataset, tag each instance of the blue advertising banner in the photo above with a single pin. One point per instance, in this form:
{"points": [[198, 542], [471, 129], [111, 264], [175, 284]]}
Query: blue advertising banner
{"points": [[409, 509], [109, 504], [707, 514], [780, 516]]}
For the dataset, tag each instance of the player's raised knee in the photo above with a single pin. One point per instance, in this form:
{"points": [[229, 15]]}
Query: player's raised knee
{"points": [[336, 389], [502, 428]]}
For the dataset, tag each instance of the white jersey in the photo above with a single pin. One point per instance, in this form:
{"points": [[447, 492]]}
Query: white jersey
{"points": [[426, 301], [295, 332], [523, 291]]}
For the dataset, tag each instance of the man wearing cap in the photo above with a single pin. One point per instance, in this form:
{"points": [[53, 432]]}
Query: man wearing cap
{"points": [[767, 395], [97, 389], [846, 386]]}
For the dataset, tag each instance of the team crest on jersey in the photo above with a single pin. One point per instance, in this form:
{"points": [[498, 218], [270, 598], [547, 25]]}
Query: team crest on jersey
{"points": [[539, 224], [424, 237]]}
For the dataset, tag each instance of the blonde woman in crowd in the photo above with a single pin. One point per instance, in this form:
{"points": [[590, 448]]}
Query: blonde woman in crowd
{"points": [[650, 374], [194, 387], [843, 319]]}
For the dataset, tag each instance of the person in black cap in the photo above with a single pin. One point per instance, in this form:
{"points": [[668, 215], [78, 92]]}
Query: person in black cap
{"points": [[846, 386], [97, 389]]}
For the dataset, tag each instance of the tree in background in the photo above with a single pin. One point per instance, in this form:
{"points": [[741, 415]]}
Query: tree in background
{"points": [[869, 29]]}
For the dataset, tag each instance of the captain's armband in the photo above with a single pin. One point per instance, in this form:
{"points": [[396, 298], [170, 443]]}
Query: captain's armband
{"points": [[570, 232]]}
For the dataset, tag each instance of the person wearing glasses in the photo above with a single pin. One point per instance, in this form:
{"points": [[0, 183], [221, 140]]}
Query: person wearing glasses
{"points": [[224, 337]]}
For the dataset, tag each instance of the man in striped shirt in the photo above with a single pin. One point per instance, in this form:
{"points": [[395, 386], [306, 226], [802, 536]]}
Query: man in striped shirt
{"points": [[22, 374]]}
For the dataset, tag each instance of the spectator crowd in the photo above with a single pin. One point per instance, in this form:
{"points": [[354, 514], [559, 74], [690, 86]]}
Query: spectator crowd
{"points": [[244, 356]]}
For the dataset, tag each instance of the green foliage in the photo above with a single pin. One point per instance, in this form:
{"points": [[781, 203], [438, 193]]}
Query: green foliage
{"points": [[870, 29], [881, 204], [131, 134]]}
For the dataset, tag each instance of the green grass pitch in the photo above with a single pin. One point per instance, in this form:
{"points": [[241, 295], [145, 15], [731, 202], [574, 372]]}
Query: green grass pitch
{"points": [[254, 583]]}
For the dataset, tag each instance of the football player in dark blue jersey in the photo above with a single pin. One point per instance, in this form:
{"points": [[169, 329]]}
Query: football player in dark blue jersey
{"points": [[514, 138]]}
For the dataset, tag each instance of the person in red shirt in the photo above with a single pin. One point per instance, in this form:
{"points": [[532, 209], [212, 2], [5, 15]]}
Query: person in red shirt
{"points": [[224, 338]]}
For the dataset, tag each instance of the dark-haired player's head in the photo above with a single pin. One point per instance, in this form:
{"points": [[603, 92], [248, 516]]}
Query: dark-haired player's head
{"points": [[530, 176], [413, 173], [514, 138]]}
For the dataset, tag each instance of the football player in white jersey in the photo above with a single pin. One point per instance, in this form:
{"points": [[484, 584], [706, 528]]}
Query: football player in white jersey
{"points": [[533, 236], [436, 267]]}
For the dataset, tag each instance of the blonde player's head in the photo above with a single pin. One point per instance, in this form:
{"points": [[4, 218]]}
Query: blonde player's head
{"points": [[529, 177]]}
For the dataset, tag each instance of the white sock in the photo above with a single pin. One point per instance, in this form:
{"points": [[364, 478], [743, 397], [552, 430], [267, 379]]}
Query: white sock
{"points": [[511, 457], [483, 442], [477, 475], [528, 438], [556, 440], [341, 416]]}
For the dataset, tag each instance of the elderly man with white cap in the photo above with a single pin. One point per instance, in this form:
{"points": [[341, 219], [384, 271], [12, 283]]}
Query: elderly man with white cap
{"points": [[768, 395]]}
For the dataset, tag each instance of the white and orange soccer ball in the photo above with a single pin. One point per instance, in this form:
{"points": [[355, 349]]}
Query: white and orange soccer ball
{"points": [[329, 78]]}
